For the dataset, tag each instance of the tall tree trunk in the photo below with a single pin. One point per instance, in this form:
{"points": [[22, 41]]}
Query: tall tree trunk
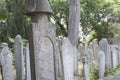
{"points": [[73, 27]]}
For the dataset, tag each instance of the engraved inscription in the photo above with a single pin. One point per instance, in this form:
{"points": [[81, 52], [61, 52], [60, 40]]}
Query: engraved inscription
{"points": [[45, 60]]}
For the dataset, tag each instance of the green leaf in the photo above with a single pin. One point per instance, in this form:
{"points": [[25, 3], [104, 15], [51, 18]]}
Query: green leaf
{"points": [[2, 16]]}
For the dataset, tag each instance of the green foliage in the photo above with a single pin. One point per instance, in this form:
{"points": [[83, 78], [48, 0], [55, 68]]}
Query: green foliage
{"points": [[114, 71], [93, 71], [95, 15], [60, 16]]}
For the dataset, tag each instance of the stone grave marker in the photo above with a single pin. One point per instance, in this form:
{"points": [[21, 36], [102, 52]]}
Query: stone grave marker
{"points": [[81, 51], [116, 41], [114, 50], [90, 56], [104, 46], [60, 62], [101, 63], [68, 59], [42, 42], [95, 48], [19, 59], [86, 68], [27, 60], [6, 63]]}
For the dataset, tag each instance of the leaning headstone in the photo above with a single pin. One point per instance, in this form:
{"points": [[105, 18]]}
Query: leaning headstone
{"points": [[6, 63], [19, 59], [114, 50], [28, 70], [86, 68], [101, 64], [103, 44], [68, 59], [42, 42]]}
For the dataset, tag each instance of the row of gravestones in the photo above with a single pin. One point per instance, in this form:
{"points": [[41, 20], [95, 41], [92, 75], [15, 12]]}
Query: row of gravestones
{"points": [[106, 55], [8, 71], [22, 67]]}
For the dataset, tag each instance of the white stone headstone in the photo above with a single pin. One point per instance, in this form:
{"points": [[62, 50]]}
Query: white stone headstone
{"points": [[19, 59], [6, 63], [114, 50], [90, 56], [104, 46], [95, 48], [116, 41], [86, 68], [81, 51], [101, 63], [28, 70], [75, 60], [68, 59], [60, 62]]}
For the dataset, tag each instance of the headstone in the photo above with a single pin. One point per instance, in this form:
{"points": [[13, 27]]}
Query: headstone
{"points": [[28, 70], [114, 49], [101, 63], [81, 51], [68, 59], [60, 62], [42, 42], [6, 63], [86, 68], [19, 59], [104, 46], [90, 56], [116, 41], [75, 60], [95, 48]]}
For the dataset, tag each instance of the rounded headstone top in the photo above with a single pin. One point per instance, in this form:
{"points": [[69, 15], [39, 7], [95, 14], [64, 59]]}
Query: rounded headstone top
{"points": [[38, 6], [4, 45], [18, 38]]}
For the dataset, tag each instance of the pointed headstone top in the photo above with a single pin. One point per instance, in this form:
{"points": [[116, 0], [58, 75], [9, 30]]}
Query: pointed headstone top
{"points": [[38, 6]]}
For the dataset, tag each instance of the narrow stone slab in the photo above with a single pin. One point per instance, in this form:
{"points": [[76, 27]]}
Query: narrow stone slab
{"points": [[68, 59], [103, 44], [6, 63], [86, 68], [115, 56], [28, 70], [19, 61], [101, 64]]}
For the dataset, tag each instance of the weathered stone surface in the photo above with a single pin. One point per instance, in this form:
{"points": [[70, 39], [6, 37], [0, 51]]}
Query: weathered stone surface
{"points": [[116, 41], [101, 64], [86, 68], [114, 50], [111, 78], [68, 59], [75, 60], [60, 61], [6, 63], [38, 6], [19, 59], [90, 56], [95, 48], [42, 49], [81, 51], [103, 44], [27, 57]]}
